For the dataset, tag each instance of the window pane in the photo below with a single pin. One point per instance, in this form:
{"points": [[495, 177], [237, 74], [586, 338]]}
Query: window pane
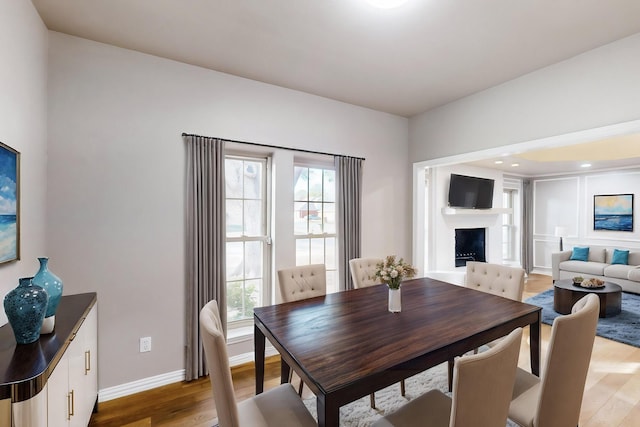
{"points": [[329, 218], [235, 265], [253, 260], [330, 253], [235, 301], [300, 217], [302, 251], [317, 251], [233, 218], [315, 184], [332, 281], [252, 180], [300, 183], [233, 178], [329, 185], [253, 218]]}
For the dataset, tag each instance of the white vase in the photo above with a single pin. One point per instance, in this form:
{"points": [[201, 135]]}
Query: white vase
{"points": [[395, 302]]}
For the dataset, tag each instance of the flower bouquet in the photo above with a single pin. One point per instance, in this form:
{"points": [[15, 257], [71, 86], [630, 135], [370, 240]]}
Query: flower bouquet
{"points": [[392, 271]]}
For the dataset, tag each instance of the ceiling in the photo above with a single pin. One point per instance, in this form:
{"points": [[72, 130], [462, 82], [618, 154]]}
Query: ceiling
{"points": [[403, 61]]}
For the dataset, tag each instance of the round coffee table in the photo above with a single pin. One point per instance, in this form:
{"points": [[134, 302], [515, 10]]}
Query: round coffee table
{"points": [[565, 295]]}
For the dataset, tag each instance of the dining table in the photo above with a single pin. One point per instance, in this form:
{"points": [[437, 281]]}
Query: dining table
{"points": [[347, 345]]}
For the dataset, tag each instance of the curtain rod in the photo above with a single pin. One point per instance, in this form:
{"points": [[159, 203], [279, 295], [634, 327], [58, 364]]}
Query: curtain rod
{"points": [[274, 146]]}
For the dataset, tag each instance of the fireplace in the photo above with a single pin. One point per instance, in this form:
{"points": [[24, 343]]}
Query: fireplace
{"points": [[470, 245]]}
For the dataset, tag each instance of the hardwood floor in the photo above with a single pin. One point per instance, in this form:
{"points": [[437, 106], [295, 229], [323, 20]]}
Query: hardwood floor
{"points": [[611, 398]]}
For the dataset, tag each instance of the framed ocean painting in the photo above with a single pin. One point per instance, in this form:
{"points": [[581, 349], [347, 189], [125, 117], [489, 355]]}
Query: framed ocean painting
{"points": [[613, 212], [9, 204]]}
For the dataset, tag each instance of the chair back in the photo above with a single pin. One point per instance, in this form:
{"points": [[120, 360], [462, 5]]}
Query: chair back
{"points": [[495, 279], [215, 351], [305, 281], [483, 383], [565, 371], [363, 271]]}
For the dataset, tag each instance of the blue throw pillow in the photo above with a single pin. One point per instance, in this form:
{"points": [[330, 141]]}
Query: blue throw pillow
{"points": [[620, 257], [580, 254]]}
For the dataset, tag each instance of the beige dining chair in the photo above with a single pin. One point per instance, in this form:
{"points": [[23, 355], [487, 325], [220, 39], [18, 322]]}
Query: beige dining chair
{"points": [[302, 282], [482, 387], [363, 272], [495, 279], [555, 399], [277, 407]]}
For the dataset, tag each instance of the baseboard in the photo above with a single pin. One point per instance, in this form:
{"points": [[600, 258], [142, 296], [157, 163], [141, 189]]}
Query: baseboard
{"points": [[137, 386], [145, 384]]}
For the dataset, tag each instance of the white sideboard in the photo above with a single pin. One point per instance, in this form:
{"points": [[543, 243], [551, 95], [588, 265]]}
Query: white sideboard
{"points": [[54, 381]]}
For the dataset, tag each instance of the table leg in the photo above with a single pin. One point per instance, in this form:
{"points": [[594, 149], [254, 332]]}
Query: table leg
{"points": [[328, 412], [285, 371], [258, 348], [534, 346]]}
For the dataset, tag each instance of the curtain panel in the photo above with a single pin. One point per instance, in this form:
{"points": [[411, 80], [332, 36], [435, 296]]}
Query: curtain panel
{"points": [[527, 226], [205, 242], [349, 201]]}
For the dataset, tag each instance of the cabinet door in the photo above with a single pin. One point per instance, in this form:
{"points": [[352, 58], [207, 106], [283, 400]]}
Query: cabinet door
{"points": [[58, 394], [83, 368]]}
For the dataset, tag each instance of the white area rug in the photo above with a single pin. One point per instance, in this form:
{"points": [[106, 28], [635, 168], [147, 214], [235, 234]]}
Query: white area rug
{"points": [[360, 413]]}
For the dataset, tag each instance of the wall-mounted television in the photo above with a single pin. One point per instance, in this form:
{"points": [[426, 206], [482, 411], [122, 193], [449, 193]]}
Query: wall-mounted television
{"points": [[470, 192]]}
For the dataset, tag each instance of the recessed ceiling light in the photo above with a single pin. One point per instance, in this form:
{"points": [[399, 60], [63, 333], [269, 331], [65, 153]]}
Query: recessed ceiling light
{"points": [[386, 4], [498, 162], [515, 165], [585, 165]]}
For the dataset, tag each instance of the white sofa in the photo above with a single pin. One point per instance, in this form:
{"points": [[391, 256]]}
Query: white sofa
{"points": [[599, 266]]}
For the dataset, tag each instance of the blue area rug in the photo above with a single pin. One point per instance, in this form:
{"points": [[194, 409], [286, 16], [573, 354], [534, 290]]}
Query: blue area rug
{"points": [[624, 328]]}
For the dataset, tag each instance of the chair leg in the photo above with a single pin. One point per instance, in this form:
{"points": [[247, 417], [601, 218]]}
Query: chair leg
{"points": [[402, 390], [450, 373], [300, 388], [372, 400]]}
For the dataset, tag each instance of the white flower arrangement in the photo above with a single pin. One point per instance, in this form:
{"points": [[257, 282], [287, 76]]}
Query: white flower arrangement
{"points": [[391, 272]]}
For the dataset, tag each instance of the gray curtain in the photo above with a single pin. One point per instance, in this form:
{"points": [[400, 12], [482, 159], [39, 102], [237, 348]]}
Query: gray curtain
{"points": [[527, 226], [349, 201], [205, 242]]}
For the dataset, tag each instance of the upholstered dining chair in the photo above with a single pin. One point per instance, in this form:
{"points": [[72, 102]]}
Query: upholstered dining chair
{"points": [[554, 399], [495, 279], [363, 271], [482, 388], [302, 282], [277, 407]]}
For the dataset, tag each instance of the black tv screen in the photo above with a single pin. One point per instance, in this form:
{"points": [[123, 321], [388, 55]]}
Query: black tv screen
{"points": [[470, 192]]}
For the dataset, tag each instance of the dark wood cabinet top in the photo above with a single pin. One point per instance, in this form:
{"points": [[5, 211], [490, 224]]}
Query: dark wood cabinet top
{"points": [[25, 368]]}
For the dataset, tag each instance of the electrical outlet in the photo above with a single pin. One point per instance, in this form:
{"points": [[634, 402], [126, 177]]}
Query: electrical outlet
{"points": [[145, 344]]}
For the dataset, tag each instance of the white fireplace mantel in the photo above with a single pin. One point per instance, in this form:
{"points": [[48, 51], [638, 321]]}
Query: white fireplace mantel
{"points": [[461, 211]]}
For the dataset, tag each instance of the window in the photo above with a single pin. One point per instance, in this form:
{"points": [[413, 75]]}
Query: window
{"points": [[510, 243], [315, 219], [247, 245]]}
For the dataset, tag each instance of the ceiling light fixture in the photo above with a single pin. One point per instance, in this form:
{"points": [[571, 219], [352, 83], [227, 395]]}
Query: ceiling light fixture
{"points": [[386, 4], [515, 165], [498, 162], [585, 165]]}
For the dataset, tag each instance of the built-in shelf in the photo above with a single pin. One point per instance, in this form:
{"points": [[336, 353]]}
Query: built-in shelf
{"points": [[460, 211]]}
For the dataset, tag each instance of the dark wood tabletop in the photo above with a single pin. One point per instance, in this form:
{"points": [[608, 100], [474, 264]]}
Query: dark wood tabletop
{"points": [[347, 345]]}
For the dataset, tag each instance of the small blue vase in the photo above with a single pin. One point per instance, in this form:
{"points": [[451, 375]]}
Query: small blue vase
{"points": [[25, 307], [53, 286]]}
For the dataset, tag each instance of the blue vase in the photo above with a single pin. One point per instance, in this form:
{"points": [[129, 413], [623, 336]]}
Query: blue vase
{"points": [[53, 286], [25, 307]]}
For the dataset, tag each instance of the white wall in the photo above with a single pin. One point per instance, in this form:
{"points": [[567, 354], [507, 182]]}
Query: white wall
{"points": [[116, 181], [598, 88], [23, 122], [567, 201]]}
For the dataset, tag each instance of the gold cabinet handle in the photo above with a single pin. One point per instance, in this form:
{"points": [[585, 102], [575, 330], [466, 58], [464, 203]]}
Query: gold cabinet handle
{"points": [[87, 361], [70, 404]]}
